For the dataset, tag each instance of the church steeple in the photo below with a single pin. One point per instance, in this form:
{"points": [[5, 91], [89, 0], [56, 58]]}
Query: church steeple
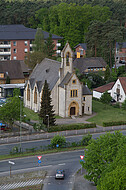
{"points": [[67, 59]]}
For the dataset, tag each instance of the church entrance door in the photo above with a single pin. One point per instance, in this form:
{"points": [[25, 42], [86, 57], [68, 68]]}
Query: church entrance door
{"points": [[72, 111]]}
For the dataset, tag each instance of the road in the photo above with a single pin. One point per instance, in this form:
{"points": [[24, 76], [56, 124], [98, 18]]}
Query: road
{"points": [[6, 148], [69, 161]]}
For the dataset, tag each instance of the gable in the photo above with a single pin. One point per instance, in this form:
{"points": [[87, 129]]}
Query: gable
{"points": [[123, 83]]}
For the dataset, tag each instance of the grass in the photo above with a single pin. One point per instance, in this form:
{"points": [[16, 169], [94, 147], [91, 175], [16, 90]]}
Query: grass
{"points": [[30, 114], [25, 154], [106, 113]]}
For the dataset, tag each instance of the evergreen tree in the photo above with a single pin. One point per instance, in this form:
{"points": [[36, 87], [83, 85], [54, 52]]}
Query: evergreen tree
{"points": [[50, 46], [107, 73], [46, 111], [8, 80]]}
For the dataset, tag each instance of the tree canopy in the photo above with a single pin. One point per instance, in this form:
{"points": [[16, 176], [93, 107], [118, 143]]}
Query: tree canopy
{"points": [[102, 156]]}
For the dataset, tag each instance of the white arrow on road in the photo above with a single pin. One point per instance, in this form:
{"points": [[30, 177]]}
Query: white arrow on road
{"points": [[11, 162]]}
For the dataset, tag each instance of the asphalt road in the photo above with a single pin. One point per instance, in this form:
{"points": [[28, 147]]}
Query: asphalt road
{"points": [[6, 148], [69, 161]]}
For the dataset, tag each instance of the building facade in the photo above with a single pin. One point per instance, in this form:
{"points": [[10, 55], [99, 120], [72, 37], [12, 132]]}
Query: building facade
{"points": [[69, 95], [16, 41]]}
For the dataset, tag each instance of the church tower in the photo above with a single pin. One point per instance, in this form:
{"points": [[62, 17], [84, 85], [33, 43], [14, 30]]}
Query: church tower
{"points": [[67, 60]]}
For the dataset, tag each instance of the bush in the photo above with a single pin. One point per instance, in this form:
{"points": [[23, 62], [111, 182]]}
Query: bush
{"points": [[117, 105], [72, 127], [85, 140], [58, 140], [113, 123]]}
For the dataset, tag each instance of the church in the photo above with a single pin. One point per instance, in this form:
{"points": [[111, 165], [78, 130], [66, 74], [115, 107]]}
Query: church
{"points": [[69, 95]]}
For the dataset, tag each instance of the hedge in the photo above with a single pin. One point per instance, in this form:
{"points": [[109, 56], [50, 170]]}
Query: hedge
{"points": [[71, 127], [113, 123]]}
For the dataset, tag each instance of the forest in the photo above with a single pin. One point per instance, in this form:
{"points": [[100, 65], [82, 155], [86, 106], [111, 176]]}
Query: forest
{"points": [[99, 23]]}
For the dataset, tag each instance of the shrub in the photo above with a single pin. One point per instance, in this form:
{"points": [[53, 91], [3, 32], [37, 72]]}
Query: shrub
{"points": [[85, 140], [75, 126], [58, 140], [113, 123]]}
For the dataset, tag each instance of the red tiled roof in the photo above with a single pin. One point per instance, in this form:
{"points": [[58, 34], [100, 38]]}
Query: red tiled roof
{"points": [[105, 87], [123, 83]]}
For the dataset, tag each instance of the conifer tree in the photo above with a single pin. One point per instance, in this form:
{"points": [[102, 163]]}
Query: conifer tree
{"points": [[46, 111]]}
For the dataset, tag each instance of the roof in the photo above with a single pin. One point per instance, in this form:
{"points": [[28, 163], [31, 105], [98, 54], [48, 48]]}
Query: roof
{"points": [[86, 63], [13, 68], [85, 90], [20, 32], [48, 70], [123, 83], [65, 79], [123, 44], [83, 45], [104, 88], [6, 86]]}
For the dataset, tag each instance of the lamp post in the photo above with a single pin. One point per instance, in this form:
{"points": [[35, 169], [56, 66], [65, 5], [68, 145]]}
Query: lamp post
{"points": [[48, 123], [21, 98]]}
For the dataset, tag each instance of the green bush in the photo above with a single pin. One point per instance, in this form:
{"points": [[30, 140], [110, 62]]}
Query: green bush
{"points": [[85, 140], [72, 127], [58, 140], [113, 123]]}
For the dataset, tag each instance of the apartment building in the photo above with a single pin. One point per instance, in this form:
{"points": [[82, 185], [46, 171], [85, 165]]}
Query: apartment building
{"points": [[16, 41]]}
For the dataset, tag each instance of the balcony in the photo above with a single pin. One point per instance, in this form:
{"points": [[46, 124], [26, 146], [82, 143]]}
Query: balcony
{"points": [[5, 45], [5, 53]]}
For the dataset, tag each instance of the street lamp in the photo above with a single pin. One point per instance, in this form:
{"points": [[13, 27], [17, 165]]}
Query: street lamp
{"points": [[48, 122], [21, 98]]}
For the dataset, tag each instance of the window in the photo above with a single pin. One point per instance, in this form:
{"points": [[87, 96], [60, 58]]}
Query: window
{"points": [[67, 59], [26, 50], [14, 50], [26, 43], [35, 95], [14, 58], [1, 75], [74, 81], [73, 93], [83, 98], [88, 108], [14, 43], [28, 93]]}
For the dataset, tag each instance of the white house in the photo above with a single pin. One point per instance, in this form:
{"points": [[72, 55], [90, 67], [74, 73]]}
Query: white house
{"points": [[69, 95], [97, 92], [118, 91]]}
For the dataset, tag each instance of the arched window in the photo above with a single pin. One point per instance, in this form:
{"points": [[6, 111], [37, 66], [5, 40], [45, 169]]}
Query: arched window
{"points": [[35, 95], [28, 93], [67, 59]]}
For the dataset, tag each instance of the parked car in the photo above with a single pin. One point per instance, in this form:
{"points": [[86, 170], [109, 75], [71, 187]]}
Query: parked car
{"points": [[60, 174], [122, 61]]}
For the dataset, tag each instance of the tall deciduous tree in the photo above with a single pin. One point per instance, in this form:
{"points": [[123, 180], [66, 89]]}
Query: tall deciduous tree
{"points": [[46, 110], [10, 111], [50, 46], [39, 50], [100, 153]]}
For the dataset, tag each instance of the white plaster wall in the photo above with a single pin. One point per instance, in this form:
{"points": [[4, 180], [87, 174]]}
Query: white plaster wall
{"points": [[97, 94], [62, 102], [122, 93], [78, 99]]}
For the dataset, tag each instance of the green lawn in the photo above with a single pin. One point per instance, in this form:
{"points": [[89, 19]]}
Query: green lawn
{"points": [[106, 113], [30, 114]]}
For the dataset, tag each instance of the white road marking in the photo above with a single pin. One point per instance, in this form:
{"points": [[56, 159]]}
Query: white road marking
{"points": [[62, 164]]}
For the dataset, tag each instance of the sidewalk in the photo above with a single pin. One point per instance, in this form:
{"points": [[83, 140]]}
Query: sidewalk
{"points": [[80, 183], [46, 135]]}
